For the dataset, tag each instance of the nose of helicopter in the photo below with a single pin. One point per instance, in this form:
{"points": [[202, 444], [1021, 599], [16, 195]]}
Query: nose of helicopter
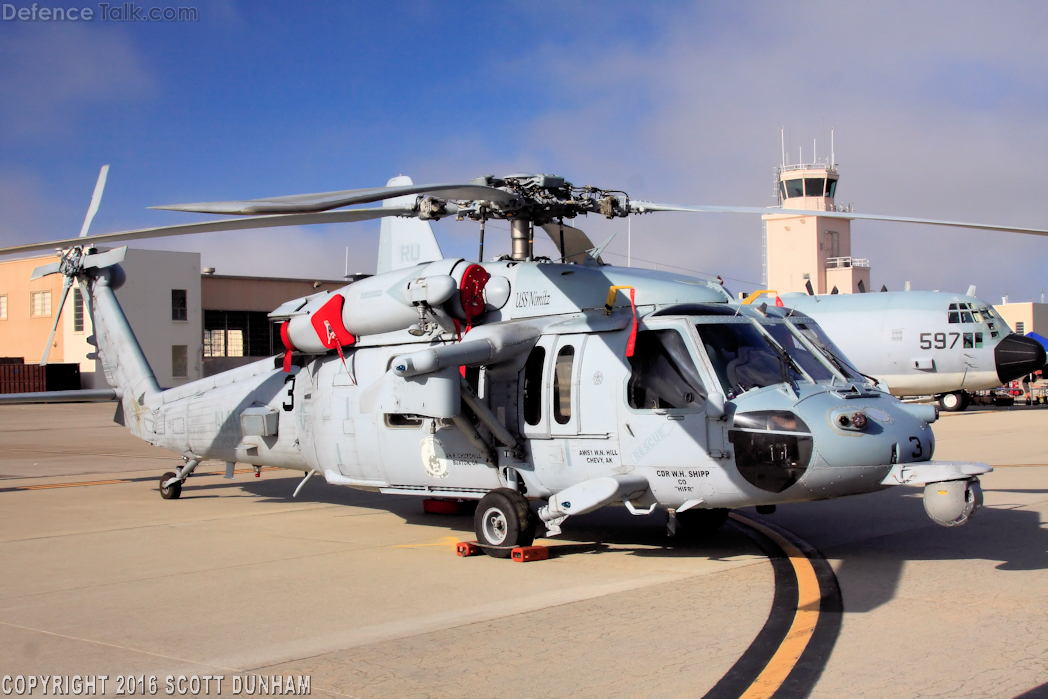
{"points": [[1017, 355]]}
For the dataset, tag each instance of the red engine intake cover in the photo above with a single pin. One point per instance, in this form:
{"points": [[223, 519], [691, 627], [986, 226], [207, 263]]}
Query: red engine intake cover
{"points": [[331, 312]]}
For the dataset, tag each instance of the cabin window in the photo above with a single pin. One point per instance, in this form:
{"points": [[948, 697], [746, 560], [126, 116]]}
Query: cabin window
{"points": [[533, 386], [814, 187], [179, 308], [663, 374], [978, 340], [179, 361], [794, 188], [562, 385]]}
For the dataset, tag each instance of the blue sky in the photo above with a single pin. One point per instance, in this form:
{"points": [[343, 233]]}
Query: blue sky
{"points": [[940, 110]]}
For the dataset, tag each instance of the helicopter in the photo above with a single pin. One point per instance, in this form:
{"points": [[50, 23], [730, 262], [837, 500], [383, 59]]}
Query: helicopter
{"points": [[565, 381]]}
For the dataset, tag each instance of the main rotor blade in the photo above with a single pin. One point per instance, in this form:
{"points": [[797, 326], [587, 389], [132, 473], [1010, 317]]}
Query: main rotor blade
{"points": [[96, 199], [216, 226], [106, 259], [323, 201], [641, 207], [66, 284]]}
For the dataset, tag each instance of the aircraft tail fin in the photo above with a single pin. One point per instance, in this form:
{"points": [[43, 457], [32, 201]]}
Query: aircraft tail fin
{"points": [[405, 242]]}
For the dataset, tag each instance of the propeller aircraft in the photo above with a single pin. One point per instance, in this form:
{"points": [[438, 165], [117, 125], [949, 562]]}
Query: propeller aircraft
{"points": [[568, 382]]}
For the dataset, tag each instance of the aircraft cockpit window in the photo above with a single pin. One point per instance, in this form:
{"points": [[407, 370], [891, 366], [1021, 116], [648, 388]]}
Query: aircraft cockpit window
{"points": [[821, 340], [663, 374], [799, 352], [966, 317], [794, 188], [533, 386], [814, 187], [562, 385], [743, 358]]}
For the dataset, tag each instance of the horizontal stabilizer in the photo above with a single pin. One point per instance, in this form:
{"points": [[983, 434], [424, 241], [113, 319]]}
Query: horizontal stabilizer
{"points": [[90, 395]]}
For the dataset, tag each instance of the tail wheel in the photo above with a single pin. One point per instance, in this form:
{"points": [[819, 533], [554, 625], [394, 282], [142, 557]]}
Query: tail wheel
{"points": [[173, 491], [503, 521], [954, 402], [697, 522]]}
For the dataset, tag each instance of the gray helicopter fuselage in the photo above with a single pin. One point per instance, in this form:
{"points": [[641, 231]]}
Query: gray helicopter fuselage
{"points": [[580, 408]]}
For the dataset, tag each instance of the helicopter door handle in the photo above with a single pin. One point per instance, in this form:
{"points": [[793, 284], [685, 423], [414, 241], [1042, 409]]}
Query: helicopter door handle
{"points": [[674, 417]]}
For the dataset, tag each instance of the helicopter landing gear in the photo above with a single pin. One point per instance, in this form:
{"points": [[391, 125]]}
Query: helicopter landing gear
{"points": [[954, 402], [697, 523], [173, 491], [171, 482], [503, 521]]}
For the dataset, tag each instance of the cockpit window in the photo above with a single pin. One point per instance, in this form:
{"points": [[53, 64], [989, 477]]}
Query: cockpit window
{"points": [[820, 339], [663, 374], [743, 358], [967, 313], [799, 352]]}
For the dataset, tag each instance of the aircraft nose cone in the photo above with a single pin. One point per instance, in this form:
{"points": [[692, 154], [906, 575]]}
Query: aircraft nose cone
{"points": [[1016, 355]]}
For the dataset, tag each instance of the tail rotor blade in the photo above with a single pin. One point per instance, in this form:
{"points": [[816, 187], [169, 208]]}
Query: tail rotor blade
{"points": [[96, 199], [58, 316]]}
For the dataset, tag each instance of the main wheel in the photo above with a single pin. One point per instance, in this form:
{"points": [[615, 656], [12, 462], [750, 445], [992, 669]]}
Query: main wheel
{"points": [[954, 402], [698, 522], [173, 491], [503, 521]]}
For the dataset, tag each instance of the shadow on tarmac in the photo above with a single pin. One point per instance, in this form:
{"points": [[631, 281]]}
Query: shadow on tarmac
{"points": [[873, 536]]}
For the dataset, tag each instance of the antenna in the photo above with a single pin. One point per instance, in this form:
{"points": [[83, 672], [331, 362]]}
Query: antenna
{"points": [[833, 156], [782, 137], [814, 156]]}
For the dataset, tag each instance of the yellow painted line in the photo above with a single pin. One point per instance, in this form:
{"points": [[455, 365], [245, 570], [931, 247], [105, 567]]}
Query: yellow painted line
{"points": [[809, 600], [68, 485]]}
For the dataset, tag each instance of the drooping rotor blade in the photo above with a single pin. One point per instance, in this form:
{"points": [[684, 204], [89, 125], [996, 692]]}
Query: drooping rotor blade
{"points": [[45, 270], [66, 284], [574, 242], [216, 226], [96, 199], [323, 201], [647, 207], [106, 259]]}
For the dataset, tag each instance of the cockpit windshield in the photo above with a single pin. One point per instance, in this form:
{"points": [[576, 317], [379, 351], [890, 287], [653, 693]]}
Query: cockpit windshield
{"points": [[744, 358], [799, 352], [820, 339]]}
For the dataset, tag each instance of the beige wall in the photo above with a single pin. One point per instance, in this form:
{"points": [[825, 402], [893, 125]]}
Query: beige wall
{"points": [[1034, 316], [799, 245], [227, 293], [20, 335]]}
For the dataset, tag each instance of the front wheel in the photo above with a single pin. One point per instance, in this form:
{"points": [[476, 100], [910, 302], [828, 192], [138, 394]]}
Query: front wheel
{"points": [[503, 521], [954, 402]]}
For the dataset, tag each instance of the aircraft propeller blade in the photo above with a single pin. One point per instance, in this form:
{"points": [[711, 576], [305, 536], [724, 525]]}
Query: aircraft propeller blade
{"points": [[323, 201], [643, 207], [66, 284], [216, 226], [96, 199]]}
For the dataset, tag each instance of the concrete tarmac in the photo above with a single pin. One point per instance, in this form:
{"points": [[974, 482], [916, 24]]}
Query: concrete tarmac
{"points": [[363, 592]]}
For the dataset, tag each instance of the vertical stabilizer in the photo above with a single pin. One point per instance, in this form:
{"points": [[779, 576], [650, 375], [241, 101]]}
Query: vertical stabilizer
{"points": [[405, 242]]}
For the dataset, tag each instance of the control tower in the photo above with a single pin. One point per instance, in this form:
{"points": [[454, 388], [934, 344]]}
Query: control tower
{"points": [[799, 249]]}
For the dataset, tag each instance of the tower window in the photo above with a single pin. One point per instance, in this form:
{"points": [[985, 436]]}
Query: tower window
{"points": [[179, 308], [179, 361], [3, 306], [794, 188], [831, 187], [814, 187]]}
